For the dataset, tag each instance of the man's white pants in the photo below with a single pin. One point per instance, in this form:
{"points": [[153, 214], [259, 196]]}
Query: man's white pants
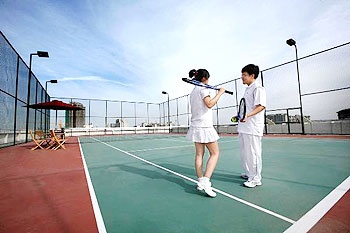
{"points": [[250, 153]]}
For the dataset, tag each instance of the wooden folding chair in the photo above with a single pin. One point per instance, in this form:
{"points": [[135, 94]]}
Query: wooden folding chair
{"points": [[56, 142], [39, 139]]}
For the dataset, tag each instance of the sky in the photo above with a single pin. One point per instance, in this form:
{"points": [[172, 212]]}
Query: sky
{"points": [[133, 50]]}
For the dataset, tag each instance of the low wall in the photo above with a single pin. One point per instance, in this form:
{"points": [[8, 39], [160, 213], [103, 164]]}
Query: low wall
{"points": [[322, 127]]}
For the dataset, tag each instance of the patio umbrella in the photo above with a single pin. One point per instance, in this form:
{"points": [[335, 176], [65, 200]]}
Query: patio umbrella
{"points": [[55, 105]]}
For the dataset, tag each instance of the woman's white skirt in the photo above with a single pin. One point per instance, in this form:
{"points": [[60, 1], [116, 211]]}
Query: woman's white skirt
{"points": [[202, 135]]}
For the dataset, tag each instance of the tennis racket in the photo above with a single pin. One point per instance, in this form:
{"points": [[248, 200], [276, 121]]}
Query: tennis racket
{"points": [[197, 83], [241, 111]]}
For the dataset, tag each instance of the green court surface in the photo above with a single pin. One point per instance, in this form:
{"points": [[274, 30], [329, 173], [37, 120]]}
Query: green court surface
{"points": [[147, 184]]}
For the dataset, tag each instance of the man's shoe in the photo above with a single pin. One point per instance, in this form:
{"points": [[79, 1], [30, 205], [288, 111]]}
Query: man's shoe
{"points": [[244, 176], [252, 184]]}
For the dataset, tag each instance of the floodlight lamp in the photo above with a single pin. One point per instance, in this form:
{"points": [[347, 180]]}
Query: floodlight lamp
{"points": [[42, 54], [164, 92], [291, 42], [53, 81]]}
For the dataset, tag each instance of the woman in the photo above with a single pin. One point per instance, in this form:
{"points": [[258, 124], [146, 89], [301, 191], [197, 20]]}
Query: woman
{"points": [[201, 130]]}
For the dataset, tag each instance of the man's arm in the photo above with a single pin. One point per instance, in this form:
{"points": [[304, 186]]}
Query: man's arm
{"points": [[256, 110]]}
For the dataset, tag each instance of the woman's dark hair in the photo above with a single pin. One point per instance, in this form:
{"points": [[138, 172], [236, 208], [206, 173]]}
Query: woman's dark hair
{"points": [[251, 69], [198, 74]]}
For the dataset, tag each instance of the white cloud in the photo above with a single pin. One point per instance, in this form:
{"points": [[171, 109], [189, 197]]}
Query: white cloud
{"points": [[93, 79], [135, 49]]}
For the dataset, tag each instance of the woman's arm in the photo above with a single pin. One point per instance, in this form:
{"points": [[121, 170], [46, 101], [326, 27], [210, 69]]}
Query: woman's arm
{"points": [[211, 102]]}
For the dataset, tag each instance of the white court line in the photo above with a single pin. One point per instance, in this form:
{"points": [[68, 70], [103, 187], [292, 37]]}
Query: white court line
{"points": [[255, 206], [196, 182], [305, 223], [169, 147], [159, 148], [99, 219], [171, 139]]}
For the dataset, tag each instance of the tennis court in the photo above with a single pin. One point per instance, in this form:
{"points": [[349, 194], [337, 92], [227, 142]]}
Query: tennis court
{"points": [[147, 184]]}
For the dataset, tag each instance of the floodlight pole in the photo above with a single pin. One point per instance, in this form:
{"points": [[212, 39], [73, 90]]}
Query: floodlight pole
{"points": [[166, 93], [46, 94], [39, 54], [292, 42]]}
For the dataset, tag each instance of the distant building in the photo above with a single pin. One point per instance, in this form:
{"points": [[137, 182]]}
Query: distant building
{"points": [[277, 118], [75, 118], [120, 123], [283, 118], [344, 114]]}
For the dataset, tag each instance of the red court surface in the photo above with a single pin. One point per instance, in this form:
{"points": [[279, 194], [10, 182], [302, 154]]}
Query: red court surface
{"points": [[44, 190], [47, 191], [337, 219]]}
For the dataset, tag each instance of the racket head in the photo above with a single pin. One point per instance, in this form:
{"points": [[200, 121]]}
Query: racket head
{"points": [[193, 81], [241, 109], [198, 83]]}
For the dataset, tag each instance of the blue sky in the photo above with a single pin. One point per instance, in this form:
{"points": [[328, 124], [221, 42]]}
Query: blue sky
{"points": [[133, 50]]}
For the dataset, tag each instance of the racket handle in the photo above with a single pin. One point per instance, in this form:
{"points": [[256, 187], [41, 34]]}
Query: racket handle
{"points": [[229, 92]]}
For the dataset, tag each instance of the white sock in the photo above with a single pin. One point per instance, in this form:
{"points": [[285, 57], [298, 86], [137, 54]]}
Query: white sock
{"points": [[206, 180]]}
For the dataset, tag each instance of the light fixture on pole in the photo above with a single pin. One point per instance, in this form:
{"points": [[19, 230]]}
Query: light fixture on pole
{"points": [[49, 81], [292, 42], [39, 54], [42, 54], [166, 93]]}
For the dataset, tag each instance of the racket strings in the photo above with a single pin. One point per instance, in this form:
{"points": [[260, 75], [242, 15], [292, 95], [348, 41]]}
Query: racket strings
{"points": [[242, 109]]}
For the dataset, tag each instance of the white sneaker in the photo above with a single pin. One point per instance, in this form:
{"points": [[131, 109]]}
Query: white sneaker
{"points": [[244, 176], [252, 184], [200, 184], [207, 188], [209, 191]]}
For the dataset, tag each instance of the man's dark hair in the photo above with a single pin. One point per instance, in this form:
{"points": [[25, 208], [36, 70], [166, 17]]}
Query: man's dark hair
{"points": [[251, 69]]}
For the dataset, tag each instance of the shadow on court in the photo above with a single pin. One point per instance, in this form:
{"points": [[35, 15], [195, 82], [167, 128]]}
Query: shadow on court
{"points": [[217, 175], [188, 187]]}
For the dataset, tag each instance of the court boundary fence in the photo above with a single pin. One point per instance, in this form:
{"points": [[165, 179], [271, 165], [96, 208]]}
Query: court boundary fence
{"points": [[19, 87]]}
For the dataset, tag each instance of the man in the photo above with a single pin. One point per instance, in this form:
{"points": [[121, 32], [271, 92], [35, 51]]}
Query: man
{"points": [[251, 127]]}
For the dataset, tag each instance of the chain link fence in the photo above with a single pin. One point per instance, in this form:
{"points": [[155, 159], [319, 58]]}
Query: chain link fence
{"points": [[324, 92]]}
